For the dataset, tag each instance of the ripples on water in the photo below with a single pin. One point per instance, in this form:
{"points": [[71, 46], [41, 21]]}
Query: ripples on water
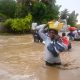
{"points": [[21, 55]]}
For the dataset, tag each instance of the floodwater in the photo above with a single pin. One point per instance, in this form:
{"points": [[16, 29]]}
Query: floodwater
{"points": [[22, 59]]}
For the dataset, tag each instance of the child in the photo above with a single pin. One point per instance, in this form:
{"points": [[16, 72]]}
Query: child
{"points": [[65, 40]]}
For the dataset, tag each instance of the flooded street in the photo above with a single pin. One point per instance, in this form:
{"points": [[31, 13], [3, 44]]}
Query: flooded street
{"points": [[22, 59]]}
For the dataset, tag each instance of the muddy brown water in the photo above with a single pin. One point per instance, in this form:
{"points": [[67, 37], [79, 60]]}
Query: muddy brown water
{"points": [[22, 59]]}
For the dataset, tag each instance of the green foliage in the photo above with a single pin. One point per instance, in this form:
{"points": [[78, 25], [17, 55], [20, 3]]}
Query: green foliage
{"points": [[21, 10], [7, 7], [49, 2], [19, 25], [8, 24], [43, 13], [52, 12], [70, 17], [72, 20], [64, 14], [38, 11], [24, 1]]}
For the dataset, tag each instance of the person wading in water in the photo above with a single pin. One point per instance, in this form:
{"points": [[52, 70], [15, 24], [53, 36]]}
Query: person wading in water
{"points": [[53, 46]]}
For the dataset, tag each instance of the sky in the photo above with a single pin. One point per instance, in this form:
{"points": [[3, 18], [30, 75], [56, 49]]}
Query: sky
{"points": [[71, 5]]}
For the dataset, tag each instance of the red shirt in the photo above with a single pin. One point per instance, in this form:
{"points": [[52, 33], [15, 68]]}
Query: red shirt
{"points": [[65, 40]]}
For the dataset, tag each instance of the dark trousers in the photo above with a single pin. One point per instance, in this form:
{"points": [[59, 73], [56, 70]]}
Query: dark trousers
{"points": [[69, 46], [37, 38], [52, 64]]}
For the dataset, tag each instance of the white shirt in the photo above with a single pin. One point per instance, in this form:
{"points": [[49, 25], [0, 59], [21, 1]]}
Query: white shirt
{"points": [[48, 56], [34, 26]]}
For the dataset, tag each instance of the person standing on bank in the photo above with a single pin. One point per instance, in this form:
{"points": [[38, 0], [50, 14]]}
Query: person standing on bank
{"points": [[52, 51]]}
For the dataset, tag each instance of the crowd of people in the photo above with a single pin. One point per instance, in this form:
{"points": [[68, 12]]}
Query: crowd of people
{"points": [[54, 43], [74, 35]]}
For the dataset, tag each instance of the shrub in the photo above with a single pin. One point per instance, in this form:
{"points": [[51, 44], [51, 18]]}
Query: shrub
{"points": [[8, 24], [20, 24]]}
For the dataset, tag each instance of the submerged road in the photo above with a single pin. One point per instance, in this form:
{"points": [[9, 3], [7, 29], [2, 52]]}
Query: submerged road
{"points": [[22, 59]]}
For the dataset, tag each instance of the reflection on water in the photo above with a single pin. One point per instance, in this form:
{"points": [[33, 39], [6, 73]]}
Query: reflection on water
{"points": [[22, 59]]}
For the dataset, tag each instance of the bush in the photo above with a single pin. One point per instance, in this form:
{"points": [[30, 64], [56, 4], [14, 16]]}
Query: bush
{"points": [[8, 24], [20, 24]]}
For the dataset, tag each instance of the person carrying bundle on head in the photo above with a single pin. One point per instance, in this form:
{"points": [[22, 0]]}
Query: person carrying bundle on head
{"points": [[53, 46], [66, 40]]}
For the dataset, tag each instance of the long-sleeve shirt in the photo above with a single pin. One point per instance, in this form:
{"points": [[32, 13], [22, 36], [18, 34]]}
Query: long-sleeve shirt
{"points": [[48, 56]]}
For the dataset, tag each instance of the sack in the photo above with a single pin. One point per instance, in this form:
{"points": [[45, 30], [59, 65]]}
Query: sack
{"points": [[55, 48]]}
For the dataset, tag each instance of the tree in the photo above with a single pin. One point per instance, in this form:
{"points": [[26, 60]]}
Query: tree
{"points": [[38, 11], [43, 12], [49, 2], [7, 7], [21, 10], [64, 14], [23, 1], [52, 12], [26, 1], [23, 7], [72, 20]]}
